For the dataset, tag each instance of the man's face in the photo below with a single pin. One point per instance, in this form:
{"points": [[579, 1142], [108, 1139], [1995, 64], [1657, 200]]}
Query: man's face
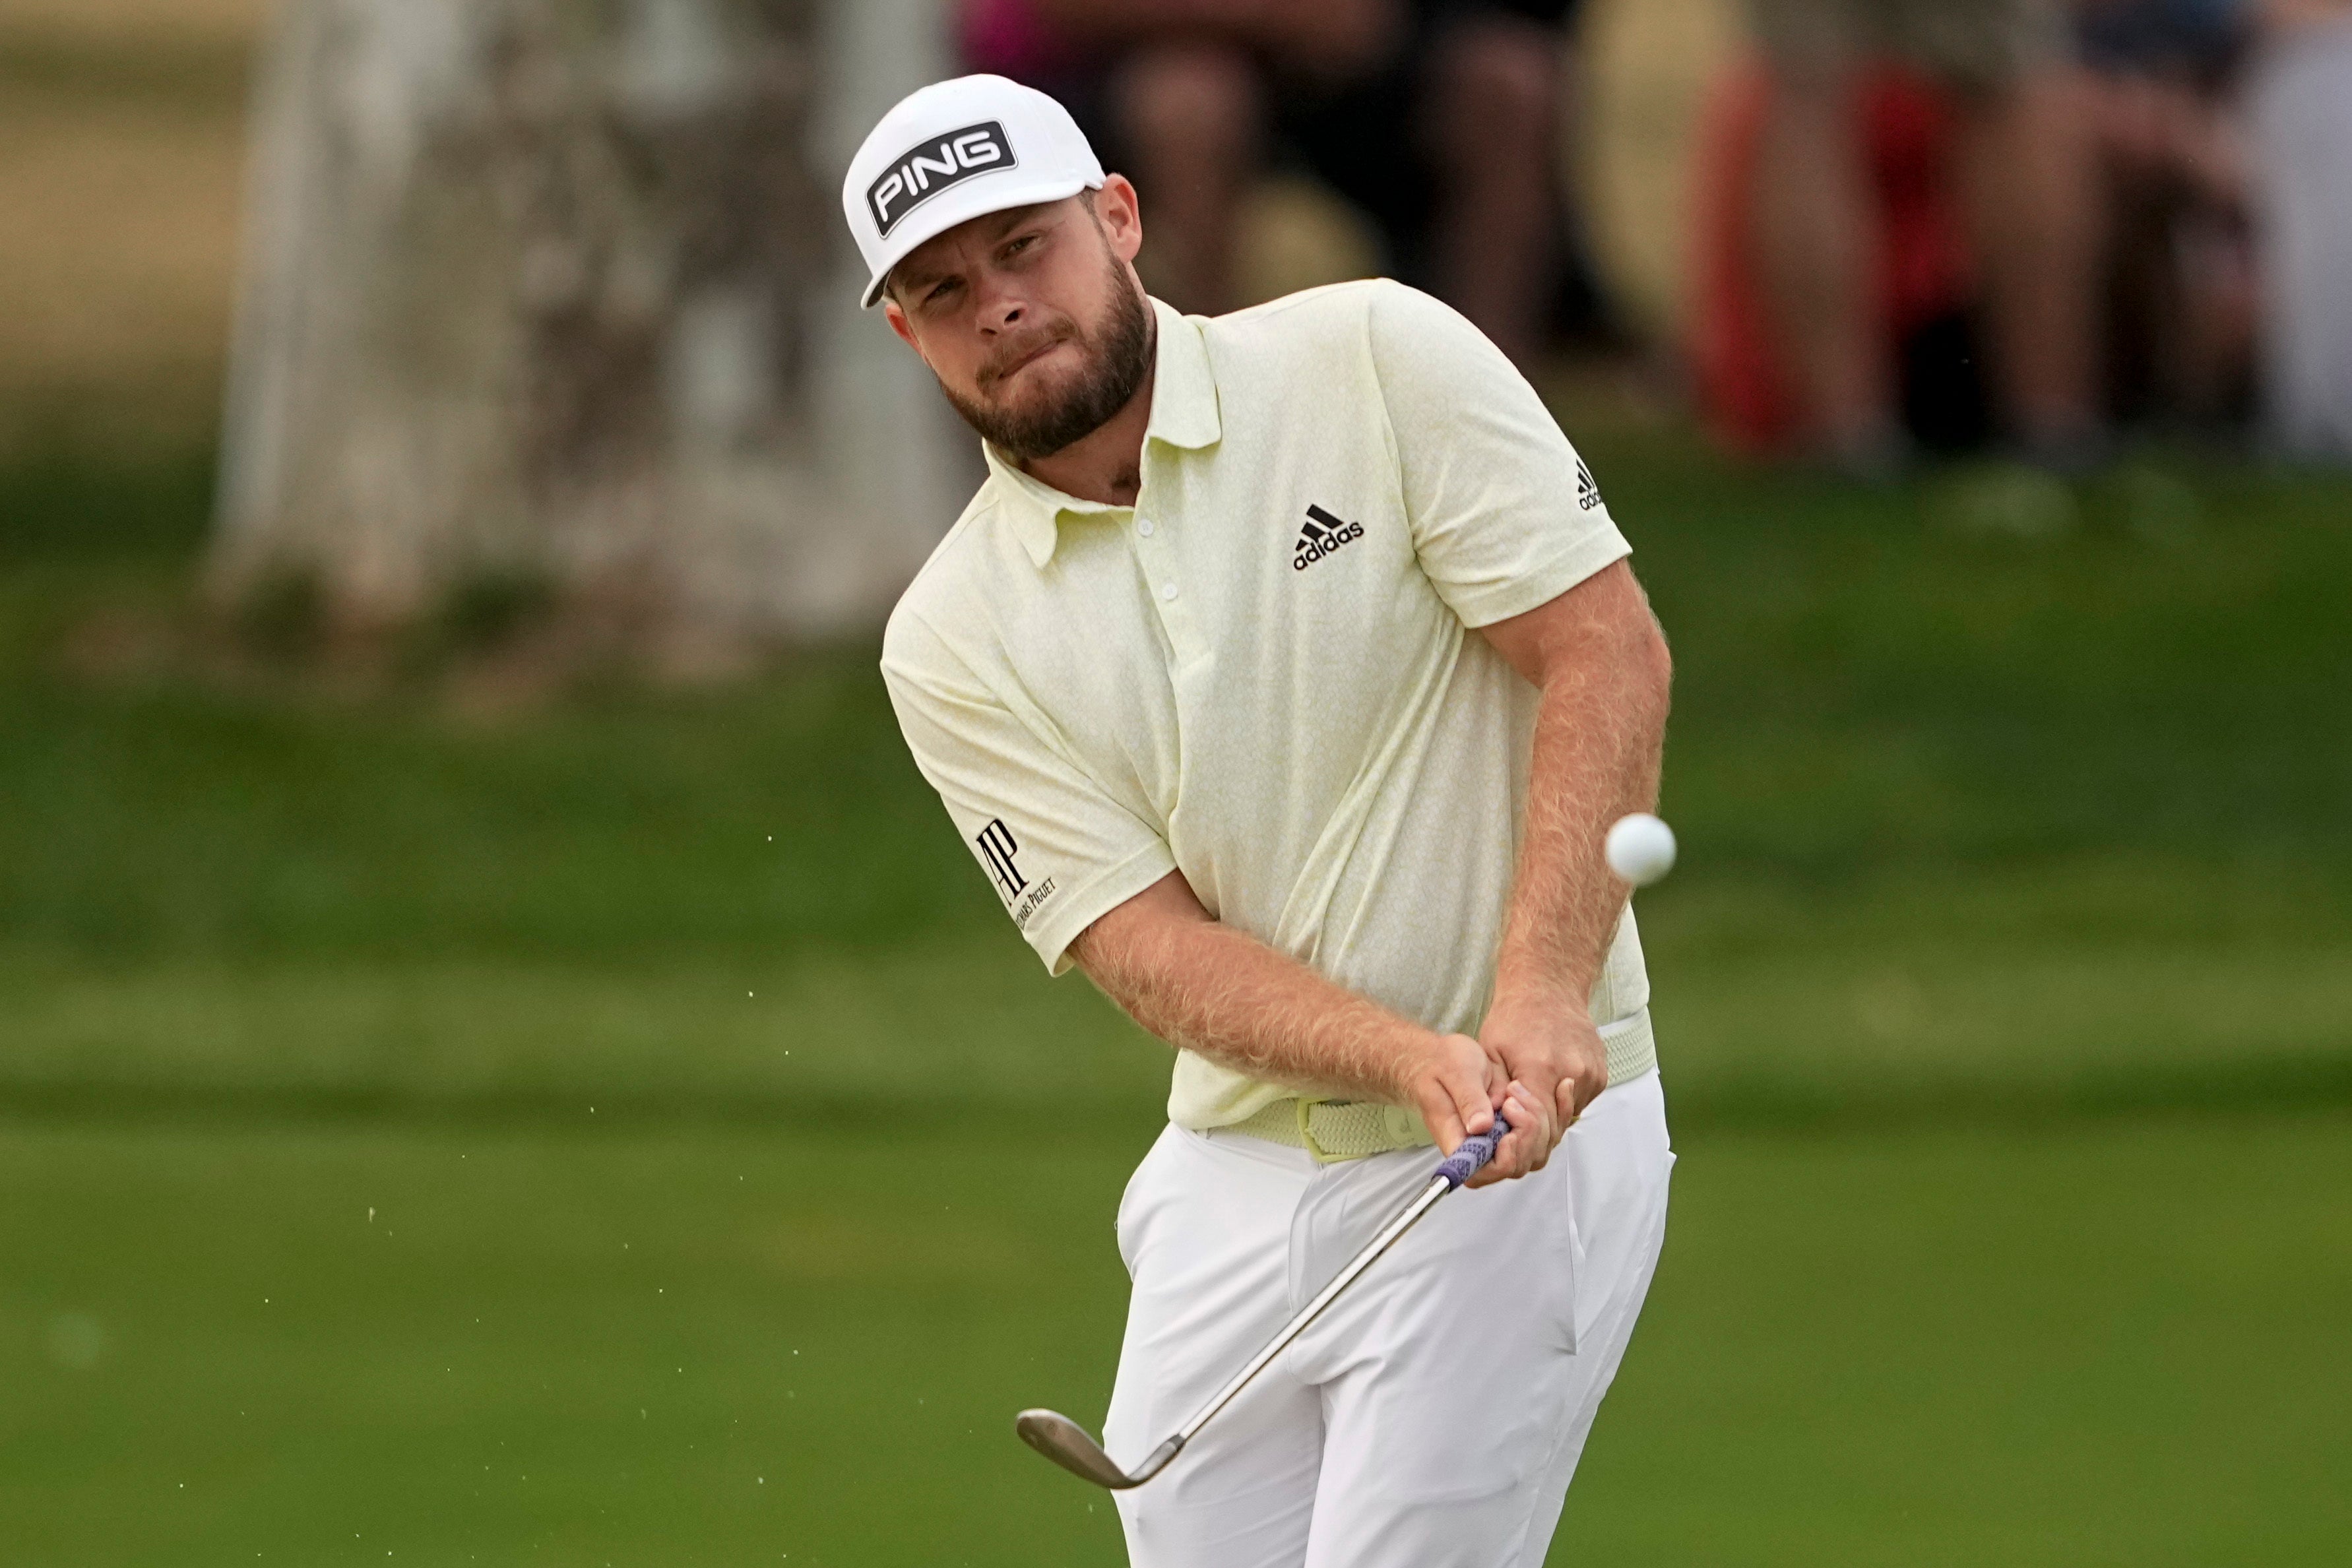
{"points": [[1031, 319]]}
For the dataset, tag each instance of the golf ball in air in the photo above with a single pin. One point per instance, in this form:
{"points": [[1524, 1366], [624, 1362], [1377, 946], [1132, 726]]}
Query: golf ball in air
{"points": [[1641, 849]]}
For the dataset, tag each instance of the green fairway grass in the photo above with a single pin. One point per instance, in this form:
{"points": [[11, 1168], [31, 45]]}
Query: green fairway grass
{"points": [[2059, 822], [668, 1347]]}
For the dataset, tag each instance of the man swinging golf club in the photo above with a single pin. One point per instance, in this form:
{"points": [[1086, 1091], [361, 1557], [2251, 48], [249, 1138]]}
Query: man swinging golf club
{"points": [[1284, 676]]}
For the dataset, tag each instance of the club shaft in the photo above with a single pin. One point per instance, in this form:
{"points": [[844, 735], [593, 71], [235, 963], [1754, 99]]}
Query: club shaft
{"points": [[1437, 1188]]}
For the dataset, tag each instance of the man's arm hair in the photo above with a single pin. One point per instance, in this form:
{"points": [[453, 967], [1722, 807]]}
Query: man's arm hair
{"points": [[1598, 656], [1205, 986]]}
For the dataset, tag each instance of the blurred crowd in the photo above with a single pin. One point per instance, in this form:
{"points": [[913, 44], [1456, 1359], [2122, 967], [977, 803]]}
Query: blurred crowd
{"points": [[1917, 225]]}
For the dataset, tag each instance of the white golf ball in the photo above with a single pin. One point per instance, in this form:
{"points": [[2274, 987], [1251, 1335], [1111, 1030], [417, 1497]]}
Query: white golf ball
{"points": [[1639, 848]]}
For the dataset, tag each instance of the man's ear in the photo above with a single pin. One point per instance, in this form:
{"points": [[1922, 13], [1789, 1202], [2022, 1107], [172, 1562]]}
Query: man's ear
{"points": [[1121, 216], [900, 324]]}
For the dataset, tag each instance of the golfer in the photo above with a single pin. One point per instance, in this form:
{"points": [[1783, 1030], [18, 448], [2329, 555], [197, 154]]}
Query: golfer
{"points": [[1283, 675]]}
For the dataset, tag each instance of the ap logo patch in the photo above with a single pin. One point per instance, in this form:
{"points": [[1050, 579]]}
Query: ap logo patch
{"points": [[997, 846]]}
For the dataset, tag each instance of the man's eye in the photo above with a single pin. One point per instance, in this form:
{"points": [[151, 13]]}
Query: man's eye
{"points": [[939, 291], [1018, 245]]}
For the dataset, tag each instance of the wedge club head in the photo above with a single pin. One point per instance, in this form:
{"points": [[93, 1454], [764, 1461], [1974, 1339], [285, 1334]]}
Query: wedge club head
{"points": [[1065, 1443]]}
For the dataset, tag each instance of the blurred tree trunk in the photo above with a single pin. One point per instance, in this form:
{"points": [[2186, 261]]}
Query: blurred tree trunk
{"points": [[558, 291]]}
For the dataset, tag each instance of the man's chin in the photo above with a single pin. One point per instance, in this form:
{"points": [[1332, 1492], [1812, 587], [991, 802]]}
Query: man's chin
{"points": [[1030, 396], [1040, 409]]}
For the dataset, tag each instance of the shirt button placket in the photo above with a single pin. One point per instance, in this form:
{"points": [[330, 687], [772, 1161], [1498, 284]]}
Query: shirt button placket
{"points": [[1155, 561], [1159, 572]]}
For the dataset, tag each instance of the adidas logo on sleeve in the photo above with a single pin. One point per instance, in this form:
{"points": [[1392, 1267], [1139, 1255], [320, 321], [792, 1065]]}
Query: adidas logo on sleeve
{"points": [[1588, 494], [1323, 535]]}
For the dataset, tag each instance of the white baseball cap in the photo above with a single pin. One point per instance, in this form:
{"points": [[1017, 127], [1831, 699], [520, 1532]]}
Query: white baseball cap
{"points": [[957, 151]]}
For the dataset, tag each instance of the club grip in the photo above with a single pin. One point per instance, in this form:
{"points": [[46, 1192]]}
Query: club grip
{"points": [[1472, 1152]]}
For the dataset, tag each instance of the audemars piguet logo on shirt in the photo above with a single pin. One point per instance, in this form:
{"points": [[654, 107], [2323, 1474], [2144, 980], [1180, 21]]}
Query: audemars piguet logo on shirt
{"points": [[1030, 902], [997, 848], [1323, 535]]}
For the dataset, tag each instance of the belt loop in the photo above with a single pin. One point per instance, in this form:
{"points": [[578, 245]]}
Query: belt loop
{"points": [[1315, 1151]]}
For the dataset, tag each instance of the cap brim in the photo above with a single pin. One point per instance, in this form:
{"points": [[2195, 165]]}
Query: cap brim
{"points": [[953, 217]]}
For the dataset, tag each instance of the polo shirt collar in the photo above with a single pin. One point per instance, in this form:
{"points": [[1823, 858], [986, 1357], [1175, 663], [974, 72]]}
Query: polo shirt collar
{"points": [[1183, 414], [1184, 387]]}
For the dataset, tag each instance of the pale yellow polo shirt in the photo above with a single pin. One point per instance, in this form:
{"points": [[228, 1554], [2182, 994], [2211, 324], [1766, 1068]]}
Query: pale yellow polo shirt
{"points": [[1264, 675]]}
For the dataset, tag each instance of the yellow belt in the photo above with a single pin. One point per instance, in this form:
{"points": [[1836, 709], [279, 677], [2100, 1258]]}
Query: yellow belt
{"points": [[1334, 1129], [1337, 1130]]}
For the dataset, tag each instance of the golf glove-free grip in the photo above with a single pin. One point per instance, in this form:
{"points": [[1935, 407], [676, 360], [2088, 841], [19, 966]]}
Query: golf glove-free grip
{"points": [[1473, 1152]]}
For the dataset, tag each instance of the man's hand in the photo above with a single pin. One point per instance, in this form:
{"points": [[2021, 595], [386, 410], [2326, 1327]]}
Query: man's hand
{"points": [[1457, 1085], [1451, 1083], [1546, 1046]]}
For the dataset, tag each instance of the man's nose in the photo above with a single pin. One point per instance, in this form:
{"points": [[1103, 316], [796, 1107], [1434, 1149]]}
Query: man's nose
{"points": [[1002, 312]]}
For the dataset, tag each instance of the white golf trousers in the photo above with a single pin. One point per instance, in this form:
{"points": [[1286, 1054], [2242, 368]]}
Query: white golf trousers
{"points": [[1433, 1417]]}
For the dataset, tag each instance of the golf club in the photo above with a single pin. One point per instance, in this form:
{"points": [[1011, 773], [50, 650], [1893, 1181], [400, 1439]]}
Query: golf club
{"points": [[1065, 1442]]}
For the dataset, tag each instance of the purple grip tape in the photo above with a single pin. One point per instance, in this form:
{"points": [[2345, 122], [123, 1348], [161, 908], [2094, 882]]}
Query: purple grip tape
{"points": [[1463, 1161]]}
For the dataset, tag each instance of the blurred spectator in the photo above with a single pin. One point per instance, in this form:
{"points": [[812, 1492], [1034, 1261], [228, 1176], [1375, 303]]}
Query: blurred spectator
{"points": [[2172, 293], [1438, 118], [2180, 279], [2299, 111], [2024, 168], [1919, 284]]}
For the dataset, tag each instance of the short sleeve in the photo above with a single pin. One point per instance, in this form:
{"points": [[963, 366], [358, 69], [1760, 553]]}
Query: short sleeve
{"points": [[1060, 851], [1504, 516]]}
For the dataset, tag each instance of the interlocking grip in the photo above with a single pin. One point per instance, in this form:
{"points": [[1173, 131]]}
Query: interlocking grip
{"points": [[1474, 1152]]}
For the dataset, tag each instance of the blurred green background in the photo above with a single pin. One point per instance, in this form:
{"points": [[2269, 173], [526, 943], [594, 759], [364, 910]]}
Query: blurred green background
{"points": [[453, 1116]]}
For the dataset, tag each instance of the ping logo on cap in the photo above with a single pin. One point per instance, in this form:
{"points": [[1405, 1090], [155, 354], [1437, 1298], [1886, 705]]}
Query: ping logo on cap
{"points": [[926, 168]]}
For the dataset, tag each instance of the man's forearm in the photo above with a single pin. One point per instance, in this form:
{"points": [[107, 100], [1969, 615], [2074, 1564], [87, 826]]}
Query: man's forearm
{"points": [[1598, 739], [1199, 984]]}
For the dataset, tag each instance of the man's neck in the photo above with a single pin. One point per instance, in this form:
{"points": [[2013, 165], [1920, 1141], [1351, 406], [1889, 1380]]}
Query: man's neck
{"points": [[1108, 465]]}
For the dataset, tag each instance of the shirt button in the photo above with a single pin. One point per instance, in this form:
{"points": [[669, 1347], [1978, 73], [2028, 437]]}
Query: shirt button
{"points": [[1168, 590], [1143, 526]]}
